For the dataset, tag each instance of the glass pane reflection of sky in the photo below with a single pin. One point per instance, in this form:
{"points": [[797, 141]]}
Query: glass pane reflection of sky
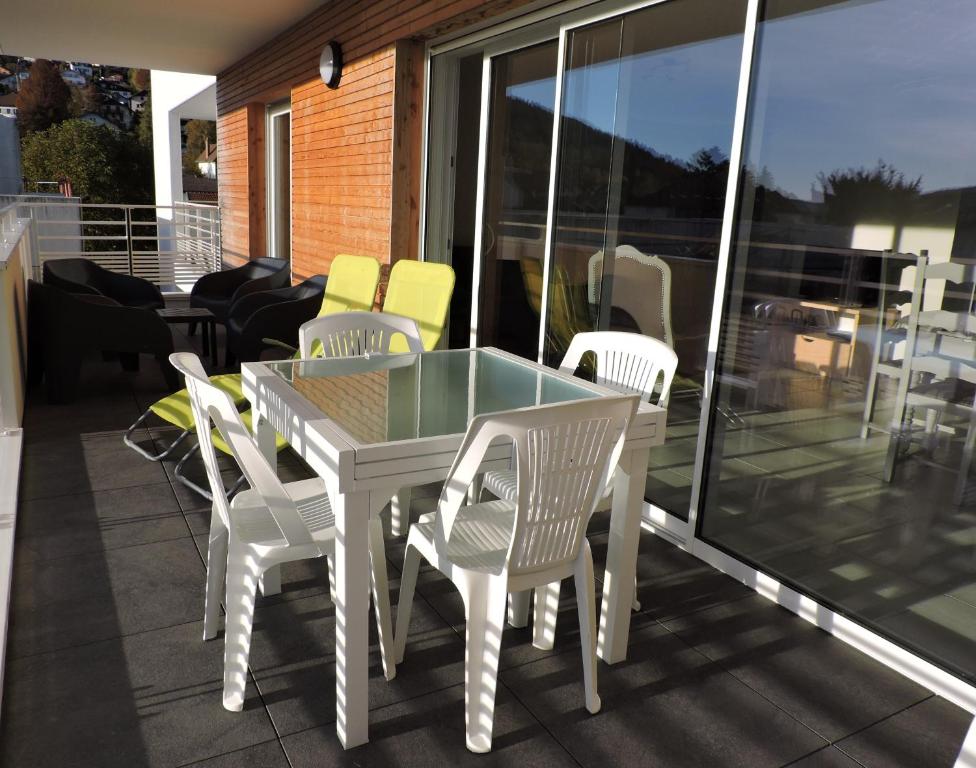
{"points": [[857, 82]]}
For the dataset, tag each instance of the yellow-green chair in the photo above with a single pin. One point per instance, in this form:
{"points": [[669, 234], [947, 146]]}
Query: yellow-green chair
{"points": [[420, 290], [351, 287]]}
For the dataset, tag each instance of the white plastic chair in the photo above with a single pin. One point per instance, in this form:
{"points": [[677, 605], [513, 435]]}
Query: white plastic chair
{"points": [[360, 333], [564, 456], [349, 334], [269, 524], [627, 362], [641, 285]]}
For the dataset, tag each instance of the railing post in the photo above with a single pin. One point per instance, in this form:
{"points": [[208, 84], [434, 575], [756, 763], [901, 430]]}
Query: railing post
{"points": [[128, 235]]}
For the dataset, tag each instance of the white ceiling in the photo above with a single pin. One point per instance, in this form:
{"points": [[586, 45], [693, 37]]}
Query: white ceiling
{"points": [[177, 35]]}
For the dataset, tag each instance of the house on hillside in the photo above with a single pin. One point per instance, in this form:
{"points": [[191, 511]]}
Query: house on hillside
{"points": [[8, 105], [207, 161]]}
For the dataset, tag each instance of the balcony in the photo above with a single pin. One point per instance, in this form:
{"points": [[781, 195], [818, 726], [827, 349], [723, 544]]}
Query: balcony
{"points": [[105, 658]]}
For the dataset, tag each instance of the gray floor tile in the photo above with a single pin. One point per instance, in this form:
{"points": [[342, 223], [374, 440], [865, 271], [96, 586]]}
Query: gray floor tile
{"points": [[267, 755], [929, 734], [84, 463], [429, 731], [70, 525], [293, 660], [828, 757], [95, 596], [831, 687], [152, 699], [665, 705], [671, 582]]}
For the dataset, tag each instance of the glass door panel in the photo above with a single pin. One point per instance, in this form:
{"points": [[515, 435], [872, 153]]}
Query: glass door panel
{"points": [[522, 95], [858, 141], [647, 109]]}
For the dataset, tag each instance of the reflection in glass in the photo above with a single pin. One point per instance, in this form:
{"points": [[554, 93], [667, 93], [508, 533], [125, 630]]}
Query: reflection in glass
{"points": [[846, 470], [516, 197], [647, 110]]}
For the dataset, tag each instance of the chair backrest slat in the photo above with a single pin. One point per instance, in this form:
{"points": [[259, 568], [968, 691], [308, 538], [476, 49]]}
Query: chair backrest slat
{"points": [[564, 455], [349, 334], [627, 362]]}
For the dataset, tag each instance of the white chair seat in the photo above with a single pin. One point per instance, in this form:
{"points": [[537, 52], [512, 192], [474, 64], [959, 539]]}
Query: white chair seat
{"points": [[479, 539], [255, 525]]}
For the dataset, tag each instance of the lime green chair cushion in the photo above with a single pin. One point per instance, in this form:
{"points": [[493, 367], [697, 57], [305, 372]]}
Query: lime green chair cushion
{"points": [[420, 290], [351, 286], [177, 410], [248, 418]]}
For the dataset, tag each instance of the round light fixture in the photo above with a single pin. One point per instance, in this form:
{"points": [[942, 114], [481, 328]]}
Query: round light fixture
{"points": [[330, 64]]}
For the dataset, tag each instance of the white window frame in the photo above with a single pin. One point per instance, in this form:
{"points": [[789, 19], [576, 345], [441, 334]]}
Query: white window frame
{"points": [[270, 132]]}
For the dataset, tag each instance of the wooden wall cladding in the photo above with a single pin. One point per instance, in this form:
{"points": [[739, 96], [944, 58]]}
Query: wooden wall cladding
{"points": [[356, 149]]}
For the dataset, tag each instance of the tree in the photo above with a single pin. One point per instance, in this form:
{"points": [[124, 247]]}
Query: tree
{"points": [[199, 135], [103, 165], [44, 98], [139, 79], [84, 100], [859, 195], [144, 130]]}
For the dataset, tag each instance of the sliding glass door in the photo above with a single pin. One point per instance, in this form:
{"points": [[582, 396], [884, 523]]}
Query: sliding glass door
{"points": [[517, 151], [647, 106], [808, 439], [870, 150]]}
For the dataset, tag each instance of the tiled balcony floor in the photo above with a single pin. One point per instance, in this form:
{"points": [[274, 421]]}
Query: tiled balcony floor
{"points": [[106, 665]]}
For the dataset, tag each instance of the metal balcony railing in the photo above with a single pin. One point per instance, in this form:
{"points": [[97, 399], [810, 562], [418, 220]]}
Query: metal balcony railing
{"points": [[170, 245]]}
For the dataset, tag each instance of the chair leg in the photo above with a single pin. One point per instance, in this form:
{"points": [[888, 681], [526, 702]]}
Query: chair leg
{"points": [[544, 619], [408, 583], [243, 570], [518, 608], [270, 581], [586, 603], [967, 459], [485, 619], [216, 576], [380, 587], [127, 439], [330, 562], [400, 512]]}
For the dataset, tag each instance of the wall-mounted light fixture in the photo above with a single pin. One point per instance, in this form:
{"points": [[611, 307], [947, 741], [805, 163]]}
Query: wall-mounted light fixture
{"points": [[330, 64]]}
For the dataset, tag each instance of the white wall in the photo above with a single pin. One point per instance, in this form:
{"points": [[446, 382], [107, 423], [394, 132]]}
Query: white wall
{"points": [[176, 96]]}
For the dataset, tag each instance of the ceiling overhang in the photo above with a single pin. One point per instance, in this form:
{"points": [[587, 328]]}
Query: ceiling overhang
{"points": [[174, 35]]}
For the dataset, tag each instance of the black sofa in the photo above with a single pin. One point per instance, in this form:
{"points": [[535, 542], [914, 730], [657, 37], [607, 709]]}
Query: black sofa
{"points": [[64, 328], [274, 314], [85, 276], [218, 291]]}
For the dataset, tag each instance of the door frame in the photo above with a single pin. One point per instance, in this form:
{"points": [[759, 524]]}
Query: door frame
{"points": [[273, 112]]}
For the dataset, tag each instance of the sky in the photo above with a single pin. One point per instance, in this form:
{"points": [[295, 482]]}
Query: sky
{"points": [[858, 82]]}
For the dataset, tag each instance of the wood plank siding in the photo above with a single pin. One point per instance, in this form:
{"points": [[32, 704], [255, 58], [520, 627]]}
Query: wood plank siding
{"points": [[355, 150]]}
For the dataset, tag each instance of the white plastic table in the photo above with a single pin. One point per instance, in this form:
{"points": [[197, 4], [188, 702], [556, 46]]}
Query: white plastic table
{"points": [[372, 425]]}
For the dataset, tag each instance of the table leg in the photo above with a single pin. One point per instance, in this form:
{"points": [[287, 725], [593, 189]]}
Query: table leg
{"points": [[213, 343], [352, 613], [618, 583], [270, 581], [205, 338]]}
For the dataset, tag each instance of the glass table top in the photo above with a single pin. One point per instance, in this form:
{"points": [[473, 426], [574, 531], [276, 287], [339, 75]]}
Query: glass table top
{"points": [[385, 398]]}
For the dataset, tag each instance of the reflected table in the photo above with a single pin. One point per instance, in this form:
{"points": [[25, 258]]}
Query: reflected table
{"points": [[372, 425]]}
